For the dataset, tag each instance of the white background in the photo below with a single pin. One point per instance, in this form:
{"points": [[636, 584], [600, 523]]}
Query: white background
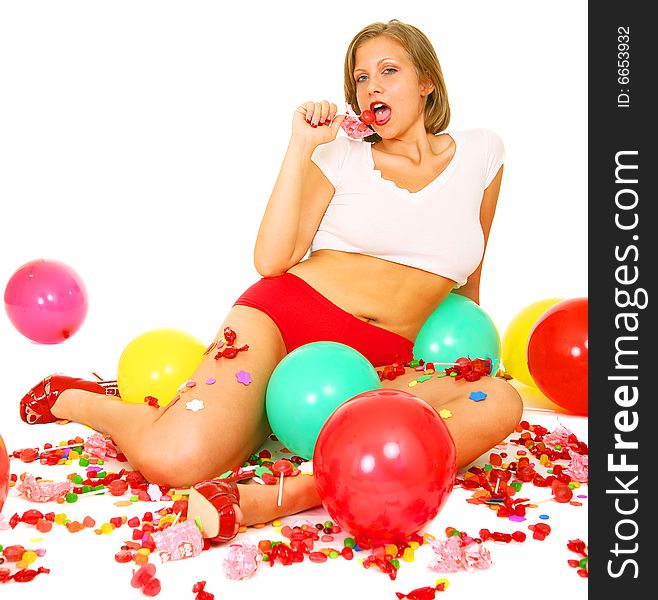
{"points": [[139, 143]]}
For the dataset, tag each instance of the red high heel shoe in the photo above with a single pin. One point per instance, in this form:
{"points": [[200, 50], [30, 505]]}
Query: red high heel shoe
{"points": [[213, 503], [36, 404]]}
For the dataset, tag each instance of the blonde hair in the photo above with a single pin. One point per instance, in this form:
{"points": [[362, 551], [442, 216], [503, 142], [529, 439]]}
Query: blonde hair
{"points": [[424, 58]]}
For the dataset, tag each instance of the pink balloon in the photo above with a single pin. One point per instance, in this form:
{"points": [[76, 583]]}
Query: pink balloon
{"points": [[46, 301], [4, 473]]}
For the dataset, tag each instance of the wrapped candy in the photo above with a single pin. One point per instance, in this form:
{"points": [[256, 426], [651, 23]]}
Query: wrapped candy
{"points": [[475, 556], [578, 468], [100, 446], [230, 351], [183, 540], [242, 561], [455, 554], [448, 555], [423, 593], [470, 369], [43, 491], [558, 437], [353, 126]]}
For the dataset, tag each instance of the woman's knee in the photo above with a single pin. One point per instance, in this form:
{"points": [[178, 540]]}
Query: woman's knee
{"points": [[508, 405]]}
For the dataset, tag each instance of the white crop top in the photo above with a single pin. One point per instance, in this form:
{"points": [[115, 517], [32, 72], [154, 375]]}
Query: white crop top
{"points": [[436, 229]]}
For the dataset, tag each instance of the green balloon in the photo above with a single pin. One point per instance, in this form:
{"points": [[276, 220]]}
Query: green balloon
{"points": [[308, 385], [458, 327]]}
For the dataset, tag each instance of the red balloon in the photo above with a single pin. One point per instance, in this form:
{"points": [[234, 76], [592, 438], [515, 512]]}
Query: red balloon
{"points": [[4, 473], [384, 465], [558, 354]]}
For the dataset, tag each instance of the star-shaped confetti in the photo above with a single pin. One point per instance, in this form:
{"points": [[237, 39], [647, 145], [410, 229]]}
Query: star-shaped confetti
{"points": [[477, 396], [194, 405], [444, 413], [243, 377]]}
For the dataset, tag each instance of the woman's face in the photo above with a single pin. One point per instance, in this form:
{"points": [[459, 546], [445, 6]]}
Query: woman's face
{"points": [[387, 83]]}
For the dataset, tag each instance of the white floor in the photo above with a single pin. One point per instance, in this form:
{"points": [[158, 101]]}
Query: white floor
{"points": [[84, 561]]}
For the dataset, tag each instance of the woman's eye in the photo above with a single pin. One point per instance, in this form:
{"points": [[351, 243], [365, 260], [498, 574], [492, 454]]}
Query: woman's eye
{"points": [[387, 71]]}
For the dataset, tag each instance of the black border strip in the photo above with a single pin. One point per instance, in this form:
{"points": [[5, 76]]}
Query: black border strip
{"points": [[622, 116]]}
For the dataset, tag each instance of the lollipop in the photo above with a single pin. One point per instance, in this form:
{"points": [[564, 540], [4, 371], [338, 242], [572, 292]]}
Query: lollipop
{"points": [[282, 468]]}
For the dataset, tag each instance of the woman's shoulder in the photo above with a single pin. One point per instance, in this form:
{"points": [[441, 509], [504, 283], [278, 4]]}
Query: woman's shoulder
{"points": [[477, 135], [482, 143]]}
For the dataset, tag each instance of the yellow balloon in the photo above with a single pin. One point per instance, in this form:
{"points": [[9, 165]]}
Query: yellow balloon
{"points": [[515, 340], [157, 363]]}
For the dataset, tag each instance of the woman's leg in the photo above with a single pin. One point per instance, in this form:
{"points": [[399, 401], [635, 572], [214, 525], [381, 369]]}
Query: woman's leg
{"points": [[475, 426], [179, 446]]}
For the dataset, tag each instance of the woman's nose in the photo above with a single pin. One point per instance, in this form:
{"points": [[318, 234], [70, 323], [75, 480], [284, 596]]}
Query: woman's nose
{"points": [[374, 85]]}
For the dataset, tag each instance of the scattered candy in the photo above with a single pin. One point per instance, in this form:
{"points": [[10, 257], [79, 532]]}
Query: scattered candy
{"points": [[230, 351], [578, 468], [41, 491], [470, 370], [199, 589], [459, 553], [118, 487], [582, 565], [183, 540], [242, 561], [540, 531], [100, 446], [423, 593]]}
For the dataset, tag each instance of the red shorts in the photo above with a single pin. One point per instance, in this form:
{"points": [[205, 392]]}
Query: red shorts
{"points": [[303, 315]]}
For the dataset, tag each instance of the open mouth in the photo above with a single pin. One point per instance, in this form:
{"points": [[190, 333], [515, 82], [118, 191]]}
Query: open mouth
{"points": [[382, 112]]}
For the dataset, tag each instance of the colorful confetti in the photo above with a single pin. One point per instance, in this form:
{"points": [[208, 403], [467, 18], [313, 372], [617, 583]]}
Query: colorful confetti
{"points": [[195, 405], [243, 377]]}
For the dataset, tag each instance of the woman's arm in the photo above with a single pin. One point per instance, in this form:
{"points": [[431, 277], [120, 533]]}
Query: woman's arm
{"points": [[471, 289], [300, 187]]}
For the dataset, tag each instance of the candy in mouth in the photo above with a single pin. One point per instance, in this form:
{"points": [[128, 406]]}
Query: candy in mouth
{"points": [[367, 117], [382, 113]]}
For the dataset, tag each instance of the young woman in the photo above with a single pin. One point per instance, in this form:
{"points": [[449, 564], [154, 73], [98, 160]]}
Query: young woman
{"points": [[394, 224]]}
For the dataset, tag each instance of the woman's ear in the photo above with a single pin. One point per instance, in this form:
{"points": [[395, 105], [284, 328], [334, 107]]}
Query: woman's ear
{"points": [[426, 85]]}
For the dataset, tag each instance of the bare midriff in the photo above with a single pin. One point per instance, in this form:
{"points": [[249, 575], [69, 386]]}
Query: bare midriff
{"points": [[390, 295]]}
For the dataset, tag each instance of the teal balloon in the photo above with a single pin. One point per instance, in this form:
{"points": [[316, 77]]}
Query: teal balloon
{"points": [[458, 327], [308, 385]]}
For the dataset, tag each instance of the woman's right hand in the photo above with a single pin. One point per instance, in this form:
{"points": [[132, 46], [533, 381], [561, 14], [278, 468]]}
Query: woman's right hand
{"points": [[317, 121]]}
